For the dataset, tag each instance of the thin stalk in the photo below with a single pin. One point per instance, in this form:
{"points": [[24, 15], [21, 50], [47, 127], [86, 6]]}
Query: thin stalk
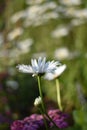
{"points": [[58, 95], [43, 118], [48, 117], [43, 111], [51, 120], [42, 103], [40, 92]]}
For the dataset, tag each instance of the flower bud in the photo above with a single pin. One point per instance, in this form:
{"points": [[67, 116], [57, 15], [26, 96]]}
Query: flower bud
{"points": [[37, 101]]}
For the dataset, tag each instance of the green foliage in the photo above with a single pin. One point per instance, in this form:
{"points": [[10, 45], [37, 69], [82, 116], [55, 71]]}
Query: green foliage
{"points": [[80, 117], [20, 101], [4, 127]]}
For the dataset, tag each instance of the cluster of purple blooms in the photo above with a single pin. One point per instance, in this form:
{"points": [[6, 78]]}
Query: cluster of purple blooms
{"points": [[33, 122], [60, 118], [36, 121]]}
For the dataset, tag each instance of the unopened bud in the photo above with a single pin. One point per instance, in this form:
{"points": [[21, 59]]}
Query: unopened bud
{"points": [[37, 101]]}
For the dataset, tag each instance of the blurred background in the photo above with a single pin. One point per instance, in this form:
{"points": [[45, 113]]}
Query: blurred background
{"points": [[56, 29]]}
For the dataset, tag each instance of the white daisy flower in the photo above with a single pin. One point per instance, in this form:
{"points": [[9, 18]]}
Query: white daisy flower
{"points": [[37, 101], [57, 72], [39, 67]]}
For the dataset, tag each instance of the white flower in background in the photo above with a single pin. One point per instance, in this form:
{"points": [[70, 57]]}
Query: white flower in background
{"points": [[50, 15], [25, 45], [81, 13], [15, 33], [77, 22], [12, 84], [37, 14], [62, 53], [70, 12], [33, 12], [70, 2], [49, 5], [39, 67], [57, 73], [37, 101], [17, 16], [60, 32]]}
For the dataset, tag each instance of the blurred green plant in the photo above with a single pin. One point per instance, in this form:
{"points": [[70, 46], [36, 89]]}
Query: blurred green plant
{"points": [[45, 44]]}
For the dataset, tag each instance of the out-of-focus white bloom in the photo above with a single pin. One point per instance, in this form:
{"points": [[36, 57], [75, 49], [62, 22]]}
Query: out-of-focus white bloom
{"points": [[38, 67], [70, 2], [70, 12], [34, 14], [17, 16], [37, 101], [45, 6], [50, 15], [77, 22], [35, 10], [57, 73], [40, 20], [24, 46], [37, 15], [76, 13], [15, 33], [62, 53], [49, 5], [33, 22], [13, 84], [81, 13], [60, 32]]}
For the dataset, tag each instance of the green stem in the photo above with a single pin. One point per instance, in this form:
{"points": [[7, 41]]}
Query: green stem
{"points": [[48, 118], [51, 120], [58, 95], [43, 111], [43, 118], [42, 103], [40, 92]]}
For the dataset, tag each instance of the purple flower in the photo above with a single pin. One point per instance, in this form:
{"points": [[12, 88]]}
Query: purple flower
{"points": [[59, 118], [33, 122], [17, 125], [36, 121]]}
